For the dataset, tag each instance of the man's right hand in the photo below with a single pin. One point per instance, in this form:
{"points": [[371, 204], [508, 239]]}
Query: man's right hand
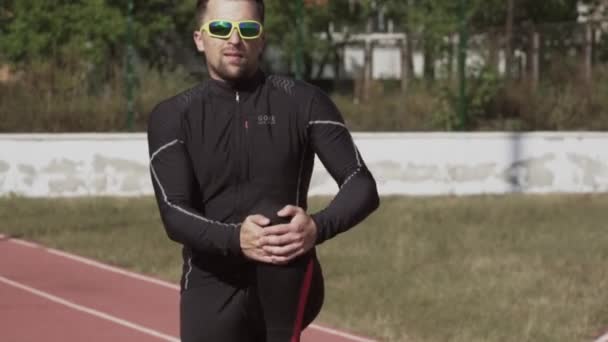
{"points": [[252, 238]]}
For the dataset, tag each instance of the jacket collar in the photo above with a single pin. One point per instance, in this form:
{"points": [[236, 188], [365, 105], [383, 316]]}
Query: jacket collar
{"points": [[243, 87]]}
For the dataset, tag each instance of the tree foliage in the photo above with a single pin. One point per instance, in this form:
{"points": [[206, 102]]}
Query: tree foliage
{"points": [[282, 21], [35, 30], [96, 30]]}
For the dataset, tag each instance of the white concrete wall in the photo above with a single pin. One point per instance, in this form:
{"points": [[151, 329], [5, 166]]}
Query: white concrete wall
{"points": [[386, 63], [403, 163]]}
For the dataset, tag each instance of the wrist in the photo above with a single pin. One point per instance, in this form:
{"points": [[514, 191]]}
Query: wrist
{"points": [[317, 229], [236, 245]]}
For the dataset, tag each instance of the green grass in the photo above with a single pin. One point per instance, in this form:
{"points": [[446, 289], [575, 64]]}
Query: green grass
{"points": [[488, 268]]}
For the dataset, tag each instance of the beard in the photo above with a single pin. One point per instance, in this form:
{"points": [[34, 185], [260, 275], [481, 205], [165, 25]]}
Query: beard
{"points": [[232, 72]]}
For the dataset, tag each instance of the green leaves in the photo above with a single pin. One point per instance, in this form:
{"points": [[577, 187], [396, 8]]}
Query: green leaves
{"points": [[442, 15], [37, 30], [281, 28], [94, 30]]}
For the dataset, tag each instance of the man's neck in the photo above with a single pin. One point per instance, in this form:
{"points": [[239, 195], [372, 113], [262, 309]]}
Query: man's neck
{"points": [[240, 83]]}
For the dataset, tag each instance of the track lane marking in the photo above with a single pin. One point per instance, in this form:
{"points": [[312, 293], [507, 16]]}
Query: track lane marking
{"points": [[163, 283], [93, 312]]}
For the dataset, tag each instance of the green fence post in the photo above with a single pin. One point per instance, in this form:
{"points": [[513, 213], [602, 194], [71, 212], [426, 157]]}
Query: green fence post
{"points": [[299, 38], [462, 59], [129, 68]]}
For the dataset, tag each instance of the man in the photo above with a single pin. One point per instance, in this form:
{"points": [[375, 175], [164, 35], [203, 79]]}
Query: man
{"points": [[231, 161]]}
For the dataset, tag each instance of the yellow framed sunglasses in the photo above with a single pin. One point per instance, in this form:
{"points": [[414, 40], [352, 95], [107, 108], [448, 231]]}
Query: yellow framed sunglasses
{"points": [[221, 28]]}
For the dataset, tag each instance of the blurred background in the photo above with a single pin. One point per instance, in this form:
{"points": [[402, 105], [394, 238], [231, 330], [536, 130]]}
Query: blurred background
{"points": [[422, 65], [505, 101]]}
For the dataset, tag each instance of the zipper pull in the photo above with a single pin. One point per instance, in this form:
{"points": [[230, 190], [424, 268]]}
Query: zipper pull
{"points": [[238, 98]]}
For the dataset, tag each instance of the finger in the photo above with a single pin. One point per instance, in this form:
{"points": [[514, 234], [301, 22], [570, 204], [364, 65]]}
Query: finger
{"points": [[282, 251], [258, 254], [279, 229], [300, 218], [260, 220], [263, 258], [289, 210], [279, 240], [282, 260]]}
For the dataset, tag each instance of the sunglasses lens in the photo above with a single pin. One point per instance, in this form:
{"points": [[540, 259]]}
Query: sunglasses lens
{"points": [[220, 28], [250, 29]]}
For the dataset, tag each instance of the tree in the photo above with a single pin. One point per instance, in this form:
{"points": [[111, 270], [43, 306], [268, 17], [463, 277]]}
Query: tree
{"points": [[93, 30], [318, 18], [163, 29], [36, 30]]}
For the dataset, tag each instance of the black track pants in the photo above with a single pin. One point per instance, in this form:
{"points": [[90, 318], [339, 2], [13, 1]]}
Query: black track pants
{"points": [[276, 304]]}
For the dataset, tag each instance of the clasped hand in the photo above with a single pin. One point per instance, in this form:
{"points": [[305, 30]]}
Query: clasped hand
{"points": [[280, 243]]}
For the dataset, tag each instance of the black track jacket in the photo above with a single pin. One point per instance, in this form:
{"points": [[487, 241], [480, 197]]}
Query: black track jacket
{"points": [[219, 153]]}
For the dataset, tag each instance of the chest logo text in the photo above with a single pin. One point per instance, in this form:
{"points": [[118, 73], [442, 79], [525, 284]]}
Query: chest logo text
{"points": [[267, 120]]}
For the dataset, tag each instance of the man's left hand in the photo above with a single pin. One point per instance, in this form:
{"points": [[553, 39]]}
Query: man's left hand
{"points": [[284, 242]]}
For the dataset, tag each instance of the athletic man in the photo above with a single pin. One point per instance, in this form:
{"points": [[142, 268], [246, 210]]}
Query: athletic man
{"points": [[231, 161]]}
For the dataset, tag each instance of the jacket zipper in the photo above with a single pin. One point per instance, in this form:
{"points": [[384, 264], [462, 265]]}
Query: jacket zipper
{"points": [[241, 133], [245, 169], [244, 141]]}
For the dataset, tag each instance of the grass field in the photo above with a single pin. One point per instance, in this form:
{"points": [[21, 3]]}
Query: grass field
{"points": [[488, 268]]}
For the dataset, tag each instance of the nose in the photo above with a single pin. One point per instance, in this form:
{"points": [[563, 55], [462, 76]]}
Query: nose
{"points": [[234, 38]]}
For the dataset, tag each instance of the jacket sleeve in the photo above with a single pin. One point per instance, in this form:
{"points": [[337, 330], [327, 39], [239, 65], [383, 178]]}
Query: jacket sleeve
{"points": [[175, 188], [333, 144]]}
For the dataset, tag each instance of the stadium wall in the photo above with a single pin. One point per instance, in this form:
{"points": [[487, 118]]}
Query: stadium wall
{"points": [[51, 165]]}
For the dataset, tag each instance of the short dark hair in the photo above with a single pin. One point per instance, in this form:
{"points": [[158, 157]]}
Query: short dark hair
{"points": [[201, 7]]}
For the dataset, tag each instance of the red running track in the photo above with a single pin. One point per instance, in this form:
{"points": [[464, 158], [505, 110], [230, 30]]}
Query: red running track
{"points": [[51, 296]]}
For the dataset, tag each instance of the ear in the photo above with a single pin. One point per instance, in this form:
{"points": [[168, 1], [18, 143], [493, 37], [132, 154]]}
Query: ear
{"points": [[263, 42], [198, 41]]}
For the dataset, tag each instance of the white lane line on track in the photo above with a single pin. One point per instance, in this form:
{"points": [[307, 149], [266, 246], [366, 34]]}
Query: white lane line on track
{"points": [[25, 243], [152, 280], [113, 269], [603, 338], [89, 311], [342, 334]]}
